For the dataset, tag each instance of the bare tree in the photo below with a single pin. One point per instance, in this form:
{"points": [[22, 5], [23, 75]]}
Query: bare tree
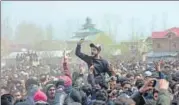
{"points": [[29, 33], [6, 29], [72, 25], [111, 24]]}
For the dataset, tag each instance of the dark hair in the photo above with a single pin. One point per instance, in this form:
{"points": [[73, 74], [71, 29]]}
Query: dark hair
{"points": [[123, 101], [59, 82], [139, 83], [129, 75], [102, 95], [43, 77], [87, 89], [7, 99], [125, 82], [99, 102], [31, 81]]}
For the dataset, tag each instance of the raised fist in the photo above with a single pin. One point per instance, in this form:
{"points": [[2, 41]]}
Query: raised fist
{"points": [[81, 41]]}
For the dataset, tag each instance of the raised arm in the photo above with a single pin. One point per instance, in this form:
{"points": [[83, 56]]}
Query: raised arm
{"points": [[163, 97], [65, 66], [81, 55]]}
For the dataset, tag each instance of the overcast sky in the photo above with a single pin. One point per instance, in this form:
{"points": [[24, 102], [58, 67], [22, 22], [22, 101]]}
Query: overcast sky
{"points": [[68, 15]]}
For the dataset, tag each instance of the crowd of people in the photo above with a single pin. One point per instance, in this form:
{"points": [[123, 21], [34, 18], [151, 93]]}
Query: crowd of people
{"points": [[103, 83], [26, 58]]}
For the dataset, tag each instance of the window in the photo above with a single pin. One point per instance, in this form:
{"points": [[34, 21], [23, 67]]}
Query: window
{"points": [[158, 45]]}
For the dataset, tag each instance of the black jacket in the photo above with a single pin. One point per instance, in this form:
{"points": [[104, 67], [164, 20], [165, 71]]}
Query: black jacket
{"points": [[100, 65]]}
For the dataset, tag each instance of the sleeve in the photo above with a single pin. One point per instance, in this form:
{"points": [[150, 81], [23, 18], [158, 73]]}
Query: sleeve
{"points": [[107, 69], [66, 68], [81, 55], [91, 80], [163, 98], [138, 98]]}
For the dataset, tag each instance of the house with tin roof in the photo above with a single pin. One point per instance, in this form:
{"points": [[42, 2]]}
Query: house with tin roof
{"points": [[165, 44]]}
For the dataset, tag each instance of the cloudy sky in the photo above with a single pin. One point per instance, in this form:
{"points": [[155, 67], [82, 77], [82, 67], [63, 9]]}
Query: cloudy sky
{"points": [[67, 16]]}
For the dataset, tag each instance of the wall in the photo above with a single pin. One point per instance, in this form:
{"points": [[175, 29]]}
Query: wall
{"points": [[166, 45]]}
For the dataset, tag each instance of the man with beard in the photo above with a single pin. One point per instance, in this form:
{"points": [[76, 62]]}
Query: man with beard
{"points": [[32, 86], [50, 92], [18, 97], [101, 66]]}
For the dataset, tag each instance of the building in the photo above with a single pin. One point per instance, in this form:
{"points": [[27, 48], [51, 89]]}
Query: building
{"points": [[166, 41], [165, 44], [90, 34], [88, 29]]}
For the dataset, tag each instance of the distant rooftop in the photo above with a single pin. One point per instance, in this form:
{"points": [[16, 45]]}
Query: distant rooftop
{"points": [[87, 29], [162, 34]]}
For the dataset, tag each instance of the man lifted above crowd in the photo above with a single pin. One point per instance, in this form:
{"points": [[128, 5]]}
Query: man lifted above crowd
{"points": [[101, 66]]}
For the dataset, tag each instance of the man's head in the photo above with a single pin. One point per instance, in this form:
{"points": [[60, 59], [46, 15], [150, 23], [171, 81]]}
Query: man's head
{"points": [[95, 49], [130, 76], [139, 83], [101, 95], [51, 91], [31, 82], [147, 75], [17, 95], [112, 82], [126, 85], [40, 96], [43, 78], [31, 86]]}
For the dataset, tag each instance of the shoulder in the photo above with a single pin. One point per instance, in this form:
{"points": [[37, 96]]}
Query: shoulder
{"points": [[22, 103], [105, 61]]}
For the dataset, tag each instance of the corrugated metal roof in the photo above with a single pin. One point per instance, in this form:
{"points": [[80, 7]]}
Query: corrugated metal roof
{"points": [[162, 54], [162, 34]]}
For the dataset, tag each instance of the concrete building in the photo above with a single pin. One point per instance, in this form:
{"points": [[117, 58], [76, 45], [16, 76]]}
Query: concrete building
{"points": [[166, 41], [165, 44]]}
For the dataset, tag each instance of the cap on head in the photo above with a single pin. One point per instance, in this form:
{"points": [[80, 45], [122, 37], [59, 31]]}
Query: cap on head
{"points": [[97, 46], [148, 74], [40, 96]]}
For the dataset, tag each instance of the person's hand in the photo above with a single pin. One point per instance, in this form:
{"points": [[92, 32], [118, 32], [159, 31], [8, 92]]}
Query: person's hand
{"points": [[112, 69], [91, 69], [81, 41], [146, 86], [157, 66], [163, 84], [113, 92], [82, 70], [65, 55]]}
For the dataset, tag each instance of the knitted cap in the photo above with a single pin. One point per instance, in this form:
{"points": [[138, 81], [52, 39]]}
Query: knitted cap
{"points": [[40, 96]]}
